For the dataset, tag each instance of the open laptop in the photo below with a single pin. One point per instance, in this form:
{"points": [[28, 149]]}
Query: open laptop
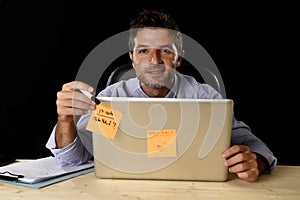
{"points": [[165, 139]]}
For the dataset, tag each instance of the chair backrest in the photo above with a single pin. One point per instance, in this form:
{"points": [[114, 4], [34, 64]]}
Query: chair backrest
{"points": [[123, 72]]}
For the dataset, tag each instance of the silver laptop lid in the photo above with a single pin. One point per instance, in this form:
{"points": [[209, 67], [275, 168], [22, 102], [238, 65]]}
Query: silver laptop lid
{"points": [[196, 132]]}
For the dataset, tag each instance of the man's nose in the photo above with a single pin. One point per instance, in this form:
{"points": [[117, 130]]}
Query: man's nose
{"points": [[155, 57]]}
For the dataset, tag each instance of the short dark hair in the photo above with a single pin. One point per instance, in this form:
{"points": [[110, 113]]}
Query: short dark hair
{"points": [[154, 18], [150, 18]]}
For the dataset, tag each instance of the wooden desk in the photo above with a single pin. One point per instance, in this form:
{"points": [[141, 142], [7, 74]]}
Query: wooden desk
{"points": [[283, 183]]}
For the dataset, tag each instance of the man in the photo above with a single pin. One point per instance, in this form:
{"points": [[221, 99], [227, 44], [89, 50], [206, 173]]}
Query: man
{"points": [[155, 51]]}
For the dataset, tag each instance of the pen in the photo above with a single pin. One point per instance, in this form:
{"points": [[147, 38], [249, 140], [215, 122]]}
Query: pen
{"points": [[10, 177], [89, 95]]}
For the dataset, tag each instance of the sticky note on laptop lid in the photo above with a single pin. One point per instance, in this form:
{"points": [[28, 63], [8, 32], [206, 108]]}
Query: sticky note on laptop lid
{"points": [[161, 143], [104, 120]]}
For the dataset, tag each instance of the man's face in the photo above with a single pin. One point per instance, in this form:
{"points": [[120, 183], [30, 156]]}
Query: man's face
{"points": [[155, 57]]}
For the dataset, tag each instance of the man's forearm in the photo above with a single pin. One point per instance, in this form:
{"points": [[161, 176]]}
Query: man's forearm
{"points": [[65, 132]]}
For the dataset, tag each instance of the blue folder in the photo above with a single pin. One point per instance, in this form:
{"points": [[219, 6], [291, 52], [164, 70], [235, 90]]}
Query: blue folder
{"points": [[49, 181]]}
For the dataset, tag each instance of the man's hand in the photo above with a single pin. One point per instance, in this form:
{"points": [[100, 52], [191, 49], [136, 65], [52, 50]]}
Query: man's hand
{"points": [[243, 162], [70, 103]]}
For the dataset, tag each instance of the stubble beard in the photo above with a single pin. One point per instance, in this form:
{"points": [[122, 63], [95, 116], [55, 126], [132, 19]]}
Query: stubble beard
{"points": [[164, 84]]}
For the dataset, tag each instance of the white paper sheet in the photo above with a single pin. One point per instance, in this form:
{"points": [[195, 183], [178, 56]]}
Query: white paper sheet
{"points": [[40, 169]]}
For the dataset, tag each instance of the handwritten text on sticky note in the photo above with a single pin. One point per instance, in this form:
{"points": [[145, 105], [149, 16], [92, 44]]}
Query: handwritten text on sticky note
{"points": [[161, 143], [105, 120]]}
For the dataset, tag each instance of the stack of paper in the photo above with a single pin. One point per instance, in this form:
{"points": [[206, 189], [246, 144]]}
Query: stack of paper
{"points": [[41, 172]]}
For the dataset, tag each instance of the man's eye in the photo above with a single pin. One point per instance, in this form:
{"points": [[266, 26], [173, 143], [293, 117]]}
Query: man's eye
{"points": [[166, 51], [142, 51]]}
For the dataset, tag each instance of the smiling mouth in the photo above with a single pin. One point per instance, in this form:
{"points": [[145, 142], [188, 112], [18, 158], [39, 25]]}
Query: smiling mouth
{"points": [[155, 72]]}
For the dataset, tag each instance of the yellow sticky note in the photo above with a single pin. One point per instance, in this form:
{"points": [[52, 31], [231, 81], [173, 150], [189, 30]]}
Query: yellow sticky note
{"points": [[161, 143], [105, 120]]}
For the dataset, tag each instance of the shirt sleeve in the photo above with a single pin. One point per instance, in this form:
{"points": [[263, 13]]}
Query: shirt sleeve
{"points": [[242, 135], [71, 155]]}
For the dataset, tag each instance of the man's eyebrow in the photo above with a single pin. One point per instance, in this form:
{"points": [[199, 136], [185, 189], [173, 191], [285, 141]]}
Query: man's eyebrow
{"points": [[142, 45], [149, 46]]}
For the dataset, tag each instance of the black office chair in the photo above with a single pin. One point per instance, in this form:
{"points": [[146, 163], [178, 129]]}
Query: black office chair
{"points": [[122, 72]]}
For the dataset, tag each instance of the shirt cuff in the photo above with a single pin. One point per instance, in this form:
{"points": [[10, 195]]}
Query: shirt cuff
{"points": [[73, 154], [267, 154]]}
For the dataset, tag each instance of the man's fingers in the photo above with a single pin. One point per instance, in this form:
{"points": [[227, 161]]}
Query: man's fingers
{"points": [[249, 175], [77, 85], [235, 150]]}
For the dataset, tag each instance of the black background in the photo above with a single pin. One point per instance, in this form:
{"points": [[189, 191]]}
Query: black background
{"points": [[43, 43]]}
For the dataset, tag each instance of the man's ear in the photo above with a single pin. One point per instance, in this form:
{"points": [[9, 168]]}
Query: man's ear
{"points": [[131, 57], [180, 58]]}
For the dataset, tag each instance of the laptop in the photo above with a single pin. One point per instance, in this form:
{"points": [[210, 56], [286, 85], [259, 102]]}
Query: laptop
{"points": [[164, 139]]}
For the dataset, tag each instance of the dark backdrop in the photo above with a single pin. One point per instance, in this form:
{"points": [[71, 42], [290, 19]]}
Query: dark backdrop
{"points": [[43, 43]]}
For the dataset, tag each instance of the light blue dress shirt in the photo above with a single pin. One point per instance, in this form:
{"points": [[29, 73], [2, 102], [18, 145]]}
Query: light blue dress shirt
{"points": [[81, 150]]}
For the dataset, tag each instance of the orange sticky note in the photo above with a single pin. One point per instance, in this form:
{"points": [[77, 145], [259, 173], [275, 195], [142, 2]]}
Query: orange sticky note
{"points": [[161, 143], [105, 121]]}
